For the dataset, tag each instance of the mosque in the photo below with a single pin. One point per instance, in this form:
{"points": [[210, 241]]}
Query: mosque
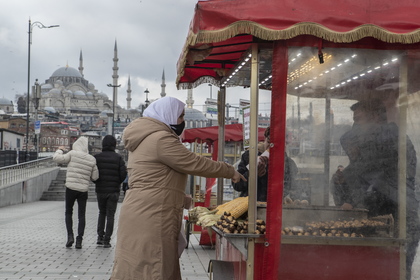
{"points": [[74, 99], [69, 96]]}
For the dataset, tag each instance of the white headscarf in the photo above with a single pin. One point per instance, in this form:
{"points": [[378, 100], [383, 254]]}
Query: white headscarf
{"points": [[167, 110]]}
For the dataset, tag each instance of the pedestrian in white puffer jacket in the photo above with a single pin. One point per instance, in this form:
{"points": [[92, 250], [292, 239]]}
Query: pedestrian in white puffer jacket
{"points": [[81, 169]]}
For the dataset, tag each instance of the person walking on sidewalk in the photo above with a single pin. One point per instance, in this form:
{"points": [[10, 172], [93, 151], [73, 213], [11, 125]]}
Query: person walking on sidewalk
{"points": [[81, 169], [112, 172], [151, 214]]}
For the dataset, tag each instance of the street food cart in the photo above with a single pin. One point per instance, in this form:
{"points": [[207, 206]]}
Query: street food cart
{"points": [[318, 59]]}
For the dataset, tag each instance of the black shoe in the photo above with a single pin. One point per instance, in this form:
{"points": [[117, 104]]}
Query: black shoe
{"points": [[100, 240], [70, 241], [107, 244], [79, 242]]}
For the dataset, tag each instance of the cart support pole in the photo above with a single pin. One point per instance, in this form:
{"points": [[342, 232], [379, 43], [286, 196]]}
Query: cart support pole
{"points": [[253, 153], [221, 101], [402, 163], [327, 143]]}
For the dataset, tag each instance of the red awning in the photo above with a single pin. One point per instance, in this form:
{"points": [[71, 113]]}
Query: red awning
{"points": [[222, 30], [233, 132]]}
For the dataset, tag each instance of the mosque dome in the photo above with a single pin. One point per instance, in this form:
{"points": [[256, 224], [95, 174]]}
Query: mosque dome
{"points": [[103, 95], [55, 91], [46, 86], [194, 115], [194, 118], [79, 93], [105, 113], [66, 72], [5, 101], [89, 95], [50, 110]]}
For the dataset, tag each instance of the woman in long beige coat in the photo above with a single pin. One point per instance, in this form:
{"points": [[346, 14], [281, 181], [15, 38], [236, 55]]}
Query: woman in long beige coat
{"points": [[150, 217]]}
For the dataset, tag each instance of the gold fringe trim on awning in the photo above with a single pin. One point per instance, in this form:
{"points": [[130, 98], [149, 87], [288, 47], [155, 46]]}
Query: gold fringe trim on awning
{"points": [[199, 81], [303, 28], [307, 28]]}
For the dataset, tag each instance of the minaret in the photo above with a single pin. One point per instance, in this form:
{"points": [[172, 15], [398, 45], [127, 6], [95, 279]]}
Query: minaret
{"points": [[190, 100], [163, 85], [129, 94], [115, 75], [81, 64]]}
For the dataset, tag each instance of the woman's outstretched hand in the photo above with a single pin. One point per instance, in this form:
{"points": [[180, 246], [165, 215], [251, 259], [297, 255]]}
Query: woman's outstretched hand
{"points": [[237, 177]]}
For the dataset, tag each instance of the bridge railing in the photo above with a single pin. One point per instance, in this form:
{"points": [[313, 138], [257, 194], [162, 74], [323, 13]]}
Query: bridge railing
{"points": [[19, 172]]}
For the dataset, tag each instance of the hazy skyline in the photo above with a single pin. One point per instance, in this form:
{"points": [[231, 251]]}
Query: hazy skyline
{"points": [[149, 34]]}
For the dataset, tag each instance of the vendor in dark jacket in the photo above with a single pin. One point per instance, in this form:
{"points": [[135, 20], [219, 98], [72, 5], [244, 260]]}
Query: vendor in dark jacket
{"points": [[290, 174], [372, 176], [112, 172]]}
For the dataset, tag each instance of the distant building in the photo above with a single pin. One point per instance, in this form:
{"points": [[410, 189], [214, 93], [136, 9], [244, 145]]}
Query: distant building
{"points": [[17, 124], [10, 140], [56, 134], [6, 106]]}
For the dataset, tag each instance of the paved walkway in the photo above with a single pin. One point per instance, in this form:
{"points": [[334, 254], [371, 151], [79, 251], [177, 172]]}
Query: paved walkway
{"points": [[32, 246], [33, 235]]}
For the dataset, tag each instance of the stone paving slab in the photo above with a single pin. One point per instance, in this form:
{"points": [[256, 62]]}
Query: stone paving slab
{"points": [[32, 242]]}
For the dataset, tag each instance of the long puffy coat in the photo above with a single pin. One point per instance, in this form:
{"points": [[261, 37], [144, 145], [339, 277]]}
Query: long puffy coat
{"points": [[81, 166], [150, 217]]}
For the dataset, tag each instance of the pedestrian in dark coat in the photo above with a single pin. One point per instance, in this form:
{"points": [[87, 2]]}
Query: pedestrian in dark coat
{"points": [[112, 172]]}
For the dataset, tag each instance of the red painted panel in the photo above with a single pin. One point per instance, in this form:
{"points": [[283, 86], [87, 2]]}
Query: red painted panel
{"points": [[318, 262], [328, 262]]}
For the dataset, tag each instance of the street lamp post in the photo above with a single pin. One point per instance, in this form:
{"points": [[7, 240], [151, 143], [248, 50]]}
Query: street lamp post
{"points": [[36, 91], [31, 26], [114, 93]]}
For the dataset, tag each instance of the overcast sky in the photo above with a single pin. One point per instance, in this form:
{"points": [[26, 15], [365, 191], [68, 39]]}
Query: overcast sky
{"points": [[150, 35]]}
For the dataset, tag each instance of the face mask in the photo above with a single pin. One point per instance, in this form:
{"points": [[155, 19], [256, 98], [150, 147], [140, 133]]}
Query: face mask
{"points": [[178, 128]]}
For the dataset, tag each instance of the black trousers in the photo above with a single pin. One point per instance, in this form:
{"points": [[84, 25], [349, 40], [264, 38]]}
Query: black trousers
{"points": [[71, 197], [107, 204]]}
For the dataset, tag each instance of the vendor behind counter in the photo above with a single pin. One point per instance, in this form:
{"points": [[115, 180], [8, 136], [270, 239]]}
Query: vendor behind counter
{"points": [[290, 174]]}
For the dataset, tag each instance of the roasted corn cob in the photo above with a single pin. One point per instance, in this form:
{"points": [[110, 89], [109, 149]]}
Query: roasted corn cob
{"points": [[235, 208]]}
